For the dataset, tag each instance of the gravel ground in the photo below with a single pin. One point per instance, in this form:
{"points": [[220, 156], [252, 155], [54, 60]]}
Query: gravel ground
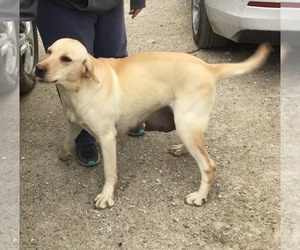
{"points": [[243, 138], [9, 170], [290, 148]]}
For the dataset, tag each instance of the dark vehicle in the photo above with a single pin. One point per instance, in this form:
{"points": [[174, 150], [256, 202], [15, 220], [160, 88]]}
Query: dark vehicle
{"points": [[28, 54], [18, 46], [28, 45]]}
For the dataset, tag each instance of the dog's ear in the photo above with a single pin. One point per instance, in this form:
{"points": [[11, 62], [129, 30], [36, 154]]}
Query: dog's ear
{"points": [[89, 70]]}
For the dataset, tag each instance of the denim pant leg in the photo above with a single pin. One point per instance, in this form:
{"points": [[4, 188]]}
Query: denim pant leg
{"points": [[55, 22], [110, 36]]}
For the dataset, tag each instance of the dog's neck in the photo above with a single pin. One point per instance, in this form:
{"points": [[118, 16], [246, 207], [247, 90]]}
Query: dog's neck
{"points": [[76, 97]]}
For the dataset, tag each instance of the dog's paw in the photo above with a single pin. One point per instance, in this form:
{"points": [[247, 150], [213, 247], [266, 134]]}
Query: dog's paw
{"points": [[195, 199], [64, 156], [178, 149], [104, 200]]}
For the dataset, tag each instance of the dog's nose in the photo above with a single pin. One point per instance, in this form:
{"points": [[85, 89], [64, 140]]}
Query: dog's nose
{"points": [[40, 71]]}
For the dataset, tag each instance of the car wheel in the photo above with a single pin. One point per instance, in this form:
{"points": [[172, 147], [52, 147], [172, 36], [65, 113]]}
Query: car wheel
{"points": [[203, 34], [8, 56], [28, 55]]}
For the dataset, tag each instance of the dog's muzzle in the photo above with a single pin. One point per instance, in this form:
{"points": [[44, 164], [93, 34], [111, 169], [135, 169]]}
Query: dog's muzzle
{"points": [[40, 72]]}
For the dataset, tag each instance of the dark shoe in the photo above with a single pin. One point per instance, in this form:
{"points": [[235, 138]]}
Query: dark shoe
{"points": [[87, 155]]}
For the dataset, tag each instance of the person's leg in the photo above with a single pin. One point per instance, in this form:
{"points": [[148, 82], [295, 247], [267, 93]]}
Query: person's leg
{"points": [[110, 34], [55, 22]]}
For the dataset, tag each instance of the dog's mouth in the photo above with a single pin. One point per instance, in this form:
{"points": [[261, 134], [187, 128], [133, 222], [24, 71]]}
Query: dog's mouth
{"points": [[42, 80]]}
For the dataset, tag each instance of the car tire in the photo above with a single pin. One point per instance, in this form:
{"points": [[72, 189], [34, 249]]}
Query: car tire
{"points": [[203, 34], [28, 55], [9, 56]]}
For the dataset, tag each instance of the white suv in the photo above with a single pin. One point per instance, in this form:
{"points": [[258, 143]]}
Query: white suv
{"points": [[215, 22]]}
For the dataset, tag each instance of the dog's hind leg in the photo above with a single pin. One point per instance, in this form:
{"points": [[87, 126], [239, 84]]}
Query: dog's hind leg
{"points": [[72, 132], [178, 149], [191, 119], [194, 143]]}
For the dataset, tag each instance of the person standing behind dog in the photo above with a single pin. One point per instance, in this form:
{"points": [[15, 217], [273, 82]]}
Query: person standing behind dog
{"points": [[100, 26]]}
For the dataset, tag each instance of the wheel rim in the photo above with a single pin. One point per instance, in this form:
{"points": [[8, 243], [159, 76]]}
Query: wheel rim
{"points": [[9, 49], [27, 48], [196, 16]]}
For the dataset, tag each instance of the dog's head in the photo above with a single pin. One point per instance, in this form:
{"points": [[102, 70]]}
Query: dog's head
{"points": [[67, 61]]}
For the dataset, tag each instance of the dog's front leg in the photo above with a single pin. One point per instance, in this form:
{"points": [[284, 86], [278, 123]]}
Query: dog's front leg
{"points": [[72, 132], [108, 146]]}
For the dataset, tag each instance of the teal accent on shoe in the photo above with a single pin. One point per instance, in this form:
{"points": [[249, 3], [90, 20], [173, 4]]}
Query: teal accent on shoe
{"points": [[87, 155], [91, 163], [137, 133]]}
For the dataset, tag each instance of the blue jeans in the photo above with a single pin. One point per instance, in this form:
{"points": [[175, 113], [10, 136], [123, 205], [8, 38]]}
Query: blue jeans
{"points": [[103, 34]]}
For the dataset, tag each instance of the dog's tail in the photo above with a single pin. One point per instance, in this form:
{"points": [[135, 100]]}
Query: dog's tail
{"points": [[227, 70]]}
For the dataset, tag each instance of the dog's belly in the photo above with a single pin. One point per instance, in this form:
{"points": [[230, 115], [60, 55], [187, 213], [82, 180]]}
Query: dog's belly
{"points": [[161, 120]]}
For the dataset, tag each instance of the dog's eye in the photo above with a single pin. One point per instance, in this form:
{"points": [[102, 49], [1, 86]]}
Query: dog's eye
{"points": [[65, 59], [49, 52]]}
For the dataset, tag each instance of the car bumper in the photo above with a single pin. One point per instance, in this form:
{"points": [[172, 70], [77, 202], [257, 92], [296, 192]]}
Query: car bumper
{"points": [[290, 16], [233, 19]]}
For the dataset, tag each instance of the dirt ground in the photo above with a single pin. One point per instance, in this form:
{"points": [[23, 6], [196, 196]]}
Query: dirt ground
{"points": [[243, 138]]}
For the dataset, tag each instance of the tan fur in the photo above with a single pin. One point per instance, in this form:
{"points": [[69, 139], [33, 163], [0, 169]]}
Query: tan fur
{"points": [[110, 96]]}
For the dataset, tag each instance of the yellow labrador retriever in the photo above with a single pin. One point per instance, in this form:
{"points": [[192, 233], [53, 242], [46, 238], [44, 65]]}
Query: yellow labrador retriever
{"points": [[110, 96]]}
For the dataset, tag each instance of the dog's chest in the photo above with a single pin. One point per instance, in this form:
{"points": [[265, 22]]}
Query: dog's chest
{"points": [[70, 115], [72, 108], [78, 114]]}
